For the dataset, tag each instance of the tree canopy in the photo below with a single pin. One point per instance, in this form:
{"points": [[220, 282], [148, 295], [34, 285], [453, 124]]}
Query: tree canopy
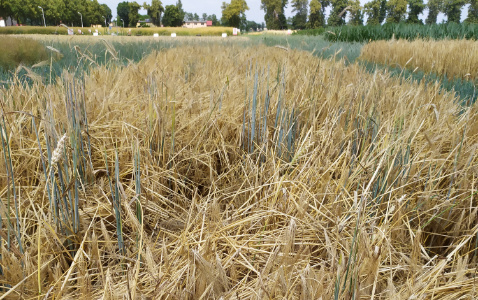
{"points": [[133, 14], [356, 14], [172, 17], [154, 10], [316, 17], [416, 7], [376, 11], [56, 11], [452, 9], [472, 12], [233, 13], [396, 10], [337, 15], [123, 12], [434, 7], [299, 20], [306, 13], [274, 13]]}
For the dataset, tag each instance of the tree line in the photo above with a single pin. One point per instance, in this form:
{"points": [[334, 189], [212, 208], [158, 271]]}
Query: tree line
{"points": [[307, 14], [170, 15], [312, 15], [233, 14], [70, 12]]}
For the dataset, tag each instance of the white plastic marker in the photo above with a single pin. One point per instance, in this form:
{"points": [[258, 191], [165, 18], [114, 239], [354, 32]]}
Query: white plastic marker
{"points": [[289, 31], [224, 35], [234, 31], [95, 33], [173, 34], [155, 35]]}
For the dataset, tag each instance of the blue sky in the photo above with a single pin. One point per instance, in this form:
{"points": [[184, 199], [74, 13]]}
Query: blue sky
{"points": [[214, 7]]}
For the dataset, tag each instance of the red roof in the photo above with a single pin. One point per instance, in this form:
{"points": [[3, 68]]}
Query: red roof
{"points": [[208, 23]]}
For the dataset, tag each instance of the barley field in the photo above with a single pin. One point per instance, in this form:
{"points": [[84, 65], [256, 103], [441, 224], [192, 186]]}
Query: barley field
{"points": [[235, 170], [451, 58]]}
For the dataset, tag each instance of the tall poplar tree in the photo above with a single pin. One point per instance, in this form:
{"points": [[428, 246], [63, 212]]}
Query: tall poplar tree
{"points": [[376, 11], [274, 13], [154, 10], [452, 9], [396, 10], [415, 7], [316, 17], [299, 20], [337, 16]]}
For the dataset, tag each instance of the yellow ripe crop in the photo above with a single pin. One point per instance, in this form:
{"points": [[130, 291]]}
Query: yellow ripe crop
{"points": [[453, 58]]}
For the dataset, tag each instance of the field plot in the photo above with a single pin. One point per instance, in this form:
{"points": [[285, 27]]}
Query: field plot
{"points": [[451, 58], [78, 54], [60, 30], [220, 170]]}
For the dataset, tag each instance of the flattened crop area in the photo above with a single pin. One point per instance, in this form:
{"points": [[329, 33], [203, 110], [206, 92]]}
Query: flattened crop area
{"points": [[238, 172]]}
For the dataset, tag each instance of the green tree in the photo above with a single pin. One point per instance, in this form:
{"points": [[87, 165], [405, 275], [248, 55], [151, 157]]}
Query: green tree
{"points": [[5, 8], [472, 12], [251, 25], [123, 12], [316, 17], [204, 16], [106, 12], [415, 7], [213, 18], [196, 17], [26, 12], [274, 13], [172, 17], [53, 10], [356, 14], [189, 16], [434, 8], [396, 10], [376, 11], [70, 15], [299, 21], [233, 14], [154, 11], [93, 14], [452, 9], [181, 11], [337, 15], [324, 4], [133, 14]]}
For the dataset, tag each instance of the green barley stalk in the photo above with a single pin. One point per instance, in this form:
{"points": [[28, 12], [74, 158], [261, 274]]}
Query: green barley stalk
{"points": [[10, 176]]}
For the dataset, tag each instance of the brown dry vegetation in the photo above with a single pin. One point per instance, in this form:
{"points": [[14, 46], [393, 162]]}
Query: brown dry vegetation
{"points": [[453, 58], [374, 200]]}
